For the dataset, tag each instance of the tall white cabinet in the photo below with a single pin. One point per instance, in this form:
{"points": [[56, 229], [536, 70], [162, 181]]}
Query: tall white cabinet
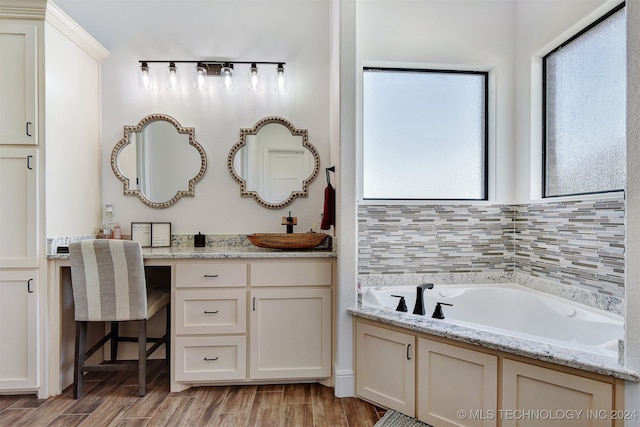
{"points": [[44, 121]]}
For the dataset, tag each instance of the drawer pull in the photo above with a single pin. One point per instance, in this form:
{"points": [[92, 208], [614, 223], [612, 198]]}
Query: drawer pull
{"points": [[210, 275], [211, 312], [206, 359]]}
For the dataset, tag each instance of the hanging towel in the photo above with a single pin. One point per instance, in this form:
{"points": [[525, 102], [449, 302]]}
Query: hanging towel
{"points": [[329, 214]]}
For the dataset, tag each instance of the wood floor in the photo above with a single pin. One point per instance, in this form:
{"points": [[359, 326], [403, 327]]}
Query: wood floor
{"points": [[111, 400]]}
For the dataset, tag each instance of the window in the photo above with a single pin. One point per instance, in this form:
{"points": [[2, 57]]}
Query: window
{"points": [[584, 91], [424, 134]]}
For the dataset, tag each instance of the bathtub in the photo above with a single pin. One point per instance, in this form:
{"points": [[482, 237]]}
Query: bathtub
{"points": [[512, 310]]}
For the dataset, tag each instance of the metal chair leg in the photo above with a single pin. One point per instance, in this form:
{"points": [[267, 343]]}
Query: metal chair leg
{"points": [[81, 339], [142, 357]]}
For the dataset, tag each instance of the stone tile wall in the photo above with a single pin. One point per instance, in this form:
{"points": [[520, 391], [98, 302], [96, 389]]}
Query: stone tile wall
{"points": [[578, 243]]}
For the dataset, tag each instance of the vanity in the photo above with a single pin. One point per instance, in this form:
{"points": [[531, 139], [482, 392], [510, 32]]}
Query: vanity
{"points": [[238, 315]]}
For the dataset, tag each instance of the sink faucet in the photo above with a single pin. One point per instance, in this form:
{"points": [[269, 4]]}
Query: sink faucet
{"points": [[289, 221], [419, 307]]}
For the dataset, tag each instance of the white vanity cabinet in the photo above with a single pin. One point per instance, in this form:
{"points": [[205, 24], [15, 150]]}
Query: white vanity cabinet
{"points": [[386, 367], [458, 384], [19, 293], [18, 82], [252, 320]]}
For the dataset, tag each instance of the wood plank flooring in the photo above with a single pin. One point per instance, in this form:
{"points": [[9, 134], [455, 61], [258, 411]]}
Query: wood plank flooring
{"points": [[110, 399]]}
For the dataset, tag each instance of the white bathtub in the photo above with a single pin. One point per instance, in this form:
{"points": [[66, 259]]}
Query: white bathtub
{"points": [[512, 310]]}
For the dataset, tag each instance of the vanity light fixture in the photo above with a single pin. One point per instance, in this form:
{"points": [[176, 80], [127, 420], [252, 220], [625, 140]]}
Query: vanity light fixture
{"points": [[282, 79], [227, 77], [225, 70], [254, 80], [172, 76], [201, 73], [144, 80]]}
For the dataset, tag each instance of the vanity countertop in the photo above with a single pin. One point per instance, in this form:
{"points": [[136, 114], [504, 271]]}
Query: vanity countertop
{"points": [[217, 246], [546, 352], [214, 253]]}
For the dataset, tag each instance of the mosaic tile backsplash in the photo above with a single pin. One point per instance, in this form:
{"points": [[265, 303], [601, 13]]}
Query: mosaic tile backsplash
{"points": [[578, 243]]}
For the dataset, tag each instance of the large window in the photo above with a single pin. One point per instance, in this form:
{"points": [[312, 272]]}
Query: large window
{"points": [[584, 117], [424, 134]]}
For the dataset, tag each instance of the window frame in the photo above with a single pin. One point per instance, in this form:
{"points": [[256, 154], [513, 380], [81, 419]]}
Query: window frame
{"points": [[545, 100], [485, 134]]}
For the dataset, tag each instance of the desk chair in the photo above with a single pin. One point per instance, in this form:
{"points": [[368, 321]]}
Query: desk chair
{"points": [[109, 285]]}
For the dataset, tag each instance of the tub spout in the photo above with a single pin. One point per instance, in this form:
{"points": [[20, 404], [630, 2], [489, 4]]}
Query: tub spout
{"points": [[419, 307]]}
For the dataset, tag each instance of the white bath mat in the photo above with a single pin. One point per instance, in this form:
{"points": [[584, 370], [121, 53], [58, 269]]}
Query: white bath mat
{"points": [[396, 419]]}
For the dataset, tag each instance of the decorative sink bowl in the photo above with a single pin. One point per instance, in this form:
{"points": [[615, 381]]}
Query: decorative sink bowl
{"points": [[287, 240]]}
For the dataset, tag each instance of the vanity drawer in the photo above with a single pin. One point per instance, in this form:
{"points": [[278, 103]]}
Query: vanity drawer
{"points": [[292, 273], [212, 274], [211, 311], [210, 358]]}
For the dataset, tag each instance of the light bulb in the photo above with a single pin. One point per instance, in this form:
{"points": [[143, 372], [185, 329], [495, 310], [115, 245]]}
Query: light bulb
{"points": [[201, 73], [254, 81], [227, 77], [281, 85], [144, 80], [172, 78]]}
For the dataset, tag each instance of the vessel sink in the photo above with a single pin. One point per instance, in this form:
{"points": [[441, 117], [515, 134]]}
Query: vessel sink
{"points": [[287, 240]]}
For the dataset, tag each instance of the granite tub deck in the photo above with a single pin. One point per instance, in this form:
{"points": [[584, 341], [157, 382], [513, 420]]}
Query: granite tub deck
{"points": [[591, 362]]}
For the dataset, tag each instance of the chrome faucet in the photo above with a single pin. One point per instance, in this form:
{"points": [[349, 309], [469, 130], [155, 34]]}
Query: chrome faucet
{"points": [[419, 307]]}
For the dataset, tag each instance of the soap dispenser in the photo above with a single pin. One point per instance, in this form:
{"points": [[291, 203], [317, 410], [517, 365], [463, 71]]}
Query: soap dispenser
{"points": [[198, 240]]}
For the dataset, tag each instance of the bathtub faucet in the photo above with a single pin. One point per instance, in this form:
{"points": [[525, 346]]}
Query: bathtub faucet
{"points": [[419, 307], [437, 313]]}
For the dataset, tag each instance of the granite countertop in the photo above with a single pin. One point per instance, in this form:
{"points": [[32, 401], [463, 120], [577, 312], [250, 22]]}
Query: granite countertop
{"points": [[600, 364], [214, 253], [217, 246]]}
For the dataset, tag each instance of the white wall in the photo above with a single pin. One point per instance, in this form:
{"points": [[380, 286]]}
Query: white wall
{"points": [[296, 32]]}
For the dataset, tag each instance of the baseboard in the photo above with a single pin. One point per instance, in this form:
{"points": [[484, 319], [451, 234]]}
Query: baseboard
{"points": [[345, 383]]}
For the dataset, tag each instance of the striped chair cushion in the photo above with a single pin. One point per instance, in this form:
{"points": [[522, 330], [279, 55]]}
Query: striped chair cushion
{"points": [[108, 280]]}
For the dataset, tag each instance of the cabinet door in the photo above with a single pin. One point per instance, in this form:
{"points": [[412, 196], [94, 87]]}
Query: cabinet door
{"points": [[453, 379], [18, 330], [385, 367], [290, 333], [528, 388], [18, 215], [18, 82]]}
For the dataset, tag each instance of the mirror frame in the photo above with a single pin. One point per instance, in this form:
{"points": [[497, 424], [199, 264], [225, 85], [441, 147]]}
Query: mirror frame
{"points": [[243, 142], [181, 130]]}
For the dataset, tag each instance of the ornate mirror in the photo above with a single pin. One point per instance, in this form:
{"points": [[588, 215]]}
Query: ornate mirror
{"points": [[273, 162], [158, 161]]}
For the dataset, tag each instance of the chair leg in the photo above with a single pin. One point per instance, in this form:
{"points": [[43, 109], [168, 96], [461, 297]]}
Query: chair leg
{"points": [[142, 357], [81, 339], [115, 340]]}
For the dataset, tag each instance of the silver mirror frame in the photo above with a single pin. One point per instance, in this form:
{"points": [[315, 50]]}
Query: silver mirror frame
{"points": [[181, 130], [253, 131]]}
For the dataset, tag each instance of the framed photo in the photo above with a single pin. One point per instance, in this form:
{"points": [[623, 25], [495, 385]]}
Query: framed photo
{"points": [[160, 234], [141, 233], [151, 234]]}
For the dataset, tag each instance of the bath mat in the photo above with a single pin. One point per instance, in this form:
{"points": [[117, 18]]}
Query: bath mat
{"points": [[396, 419]]}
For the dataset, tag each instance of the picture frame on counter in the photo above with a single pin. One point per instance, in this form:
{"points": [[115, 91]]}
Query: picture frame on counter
{"points": [[151, 234]]}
